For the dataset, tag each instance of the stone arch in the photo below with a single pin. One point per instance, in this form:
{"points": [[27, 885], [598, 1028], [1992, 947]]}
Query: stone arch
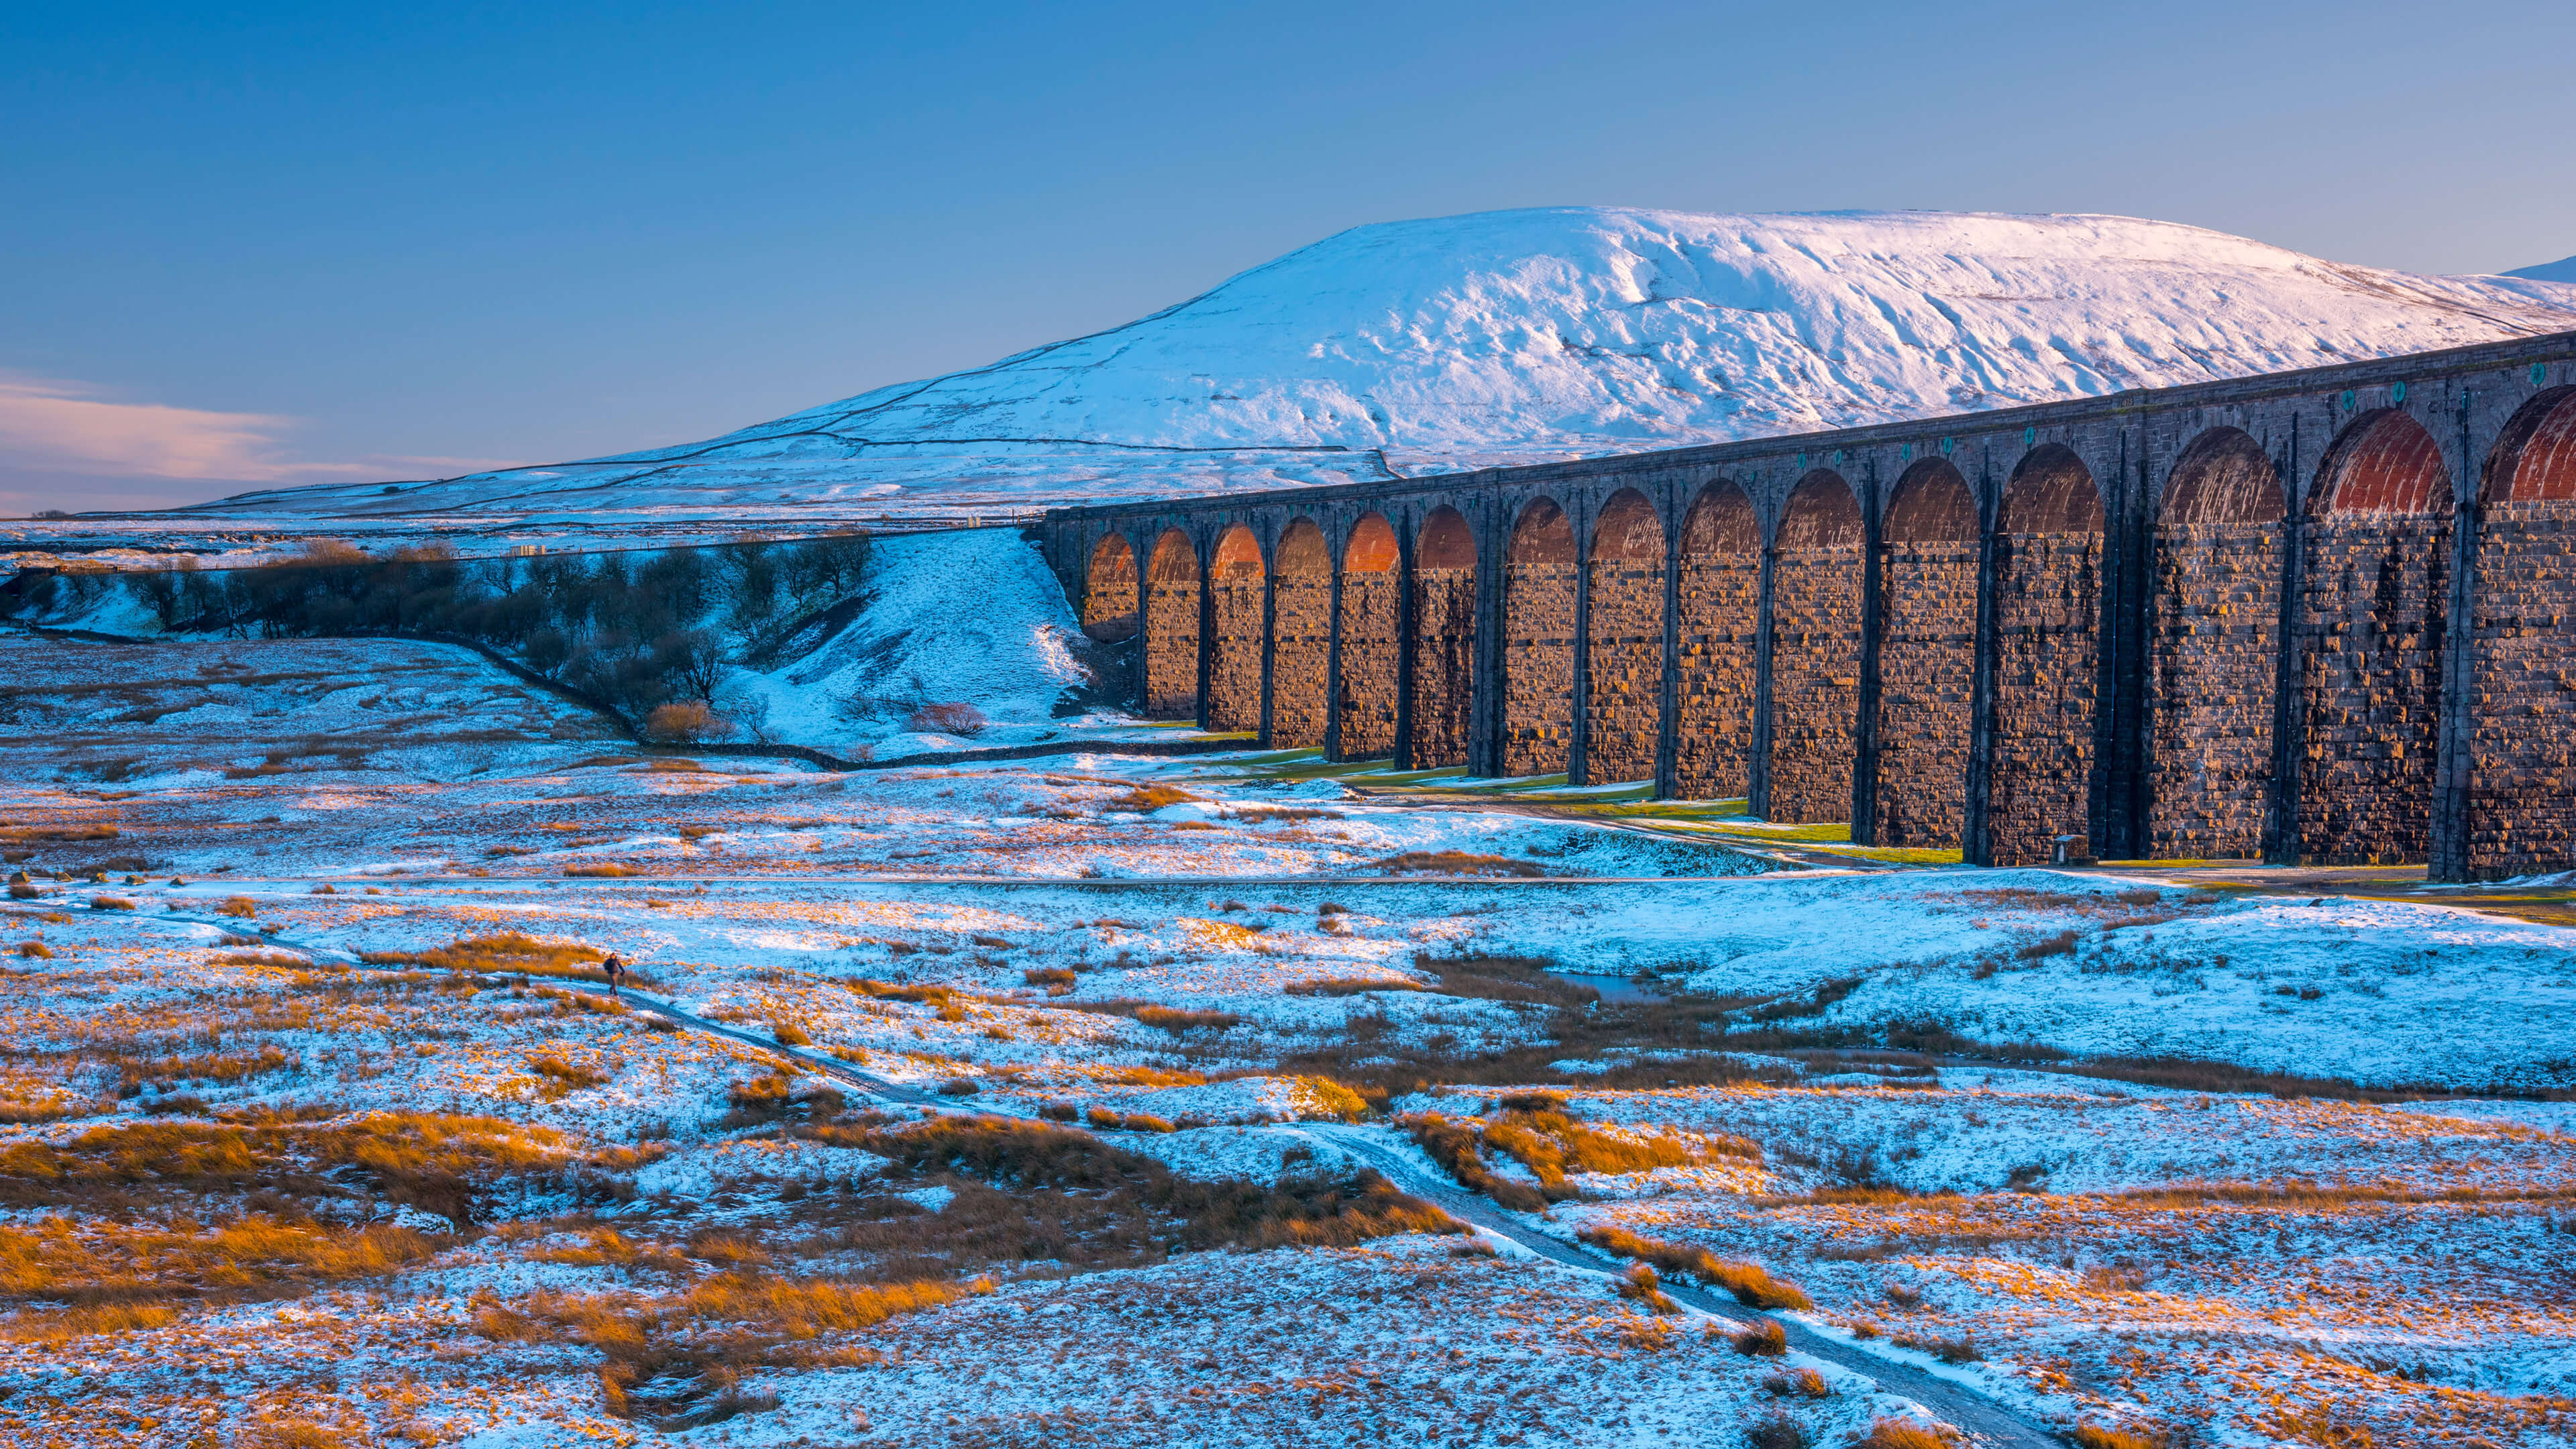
{"points": [[1815, 650], [1927, 657], [1539, 572], [1109, 590], [2213, 649], [2372, 613], [1172, 628], [1236, 585], [1719, 618], [2047, 633], [1624, 622], [1301, 624], [2521, 817], [1365, 696], [1444, 638]]}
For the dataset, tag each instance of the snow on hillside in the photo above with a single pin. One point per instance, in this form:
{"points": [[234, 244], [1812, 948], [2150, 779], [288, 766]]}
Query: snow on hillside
{"points": [[1419, 347]]}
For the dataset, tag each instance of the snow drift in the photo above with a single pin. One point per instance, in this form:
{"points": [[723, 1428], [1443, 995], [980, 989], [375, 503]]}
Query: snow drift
{"points": [[1526, 336]]}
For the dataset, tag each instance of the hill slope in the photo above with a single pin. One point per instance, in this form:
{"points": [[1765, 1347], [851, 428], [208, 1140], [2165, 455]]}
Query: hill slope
{"points": [[1523, 336]]}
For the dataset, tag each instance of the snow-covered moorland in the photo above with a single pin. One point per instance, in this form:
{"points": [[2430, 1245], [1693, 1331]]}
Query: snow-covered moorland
{"points": [[314, 1128]]}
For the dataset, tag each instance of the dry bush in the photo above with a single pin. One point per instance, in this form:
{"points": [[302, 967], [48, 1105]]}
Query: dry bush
{"points": [[1899, 1434], [238, 907], [439, 1164], [1803, 1384], [948, 719], [789, 1034], [686, 722], [52, 1109], [506, 953], [1454, 1145], [37, 950], [608, 870], [504, 852], [1961, 1348], [562, 1078], [778, 1098], [1177, 1021], [1766, 1339], [110, 903], [1027, 1157], [1055, 978], [52, 1262], [1779, 1431], [1749, 1283], [1457, 862], [2089, 1436], [1145, 800], [1640, 1285], [1353, 986]]}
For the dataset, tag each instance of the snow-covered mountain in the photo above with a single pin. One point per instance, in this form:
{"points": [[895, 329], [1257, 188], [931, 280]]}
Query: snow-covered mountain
{"points": [[1522, 336]]}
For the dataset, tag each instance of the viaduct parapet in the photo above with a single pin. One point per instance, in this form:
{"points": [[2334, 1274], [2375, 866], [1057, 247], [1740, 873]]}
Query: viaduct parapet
{"points": [[2313, 617]]}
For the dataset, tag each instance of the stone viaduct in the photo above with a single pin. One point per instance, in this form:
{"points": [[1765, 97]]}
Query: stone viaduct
{"points": [[2314, 617]]}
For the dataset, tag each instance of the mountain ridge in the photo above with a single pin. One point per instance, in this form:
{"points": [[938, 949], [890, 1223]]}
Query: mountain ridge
{"points": [[1438, 345]]}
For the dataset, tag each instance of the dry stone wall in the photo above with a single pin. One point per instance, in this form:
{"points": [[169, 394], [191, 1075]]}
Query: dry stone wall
{"points": [[2522, 691], [2213, 649], [1538, 667], [2374, 592], [1815, 682], [1927, 665], [1721, 604], [2048, 590], [1624, 673], [1444, 665], [1172, 649], [1302, 616]]}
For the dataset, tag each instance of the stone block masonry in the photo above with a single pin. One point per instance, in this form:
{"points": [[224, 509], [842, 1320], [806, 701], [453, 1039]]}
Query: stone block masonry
{"points": [[1172, 649], [2214, 648], [2375, 596], [2522, 688], [1624, 673], [1299, 692], [1815, 682], [2048, 592], [1234, 669], [1720, 618], [1538, 667], [1927, 665], [1370, 651], [1444, 665]]}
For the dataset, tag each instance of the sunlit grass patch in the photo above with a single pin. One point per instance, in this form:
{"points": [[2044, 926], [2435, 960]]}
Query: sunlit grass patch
{"points": [[1458, 862], [504, 953], [601, 869]]}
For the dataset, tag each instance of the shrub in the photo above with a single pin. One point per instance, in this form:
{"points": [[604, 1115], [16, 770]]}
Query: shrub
{"points": [[1146, 1122], [238, 907], [1766, 1339], [1899, 1434], [1146, 799], [37, 949], [1050, 976], [1101, 1117], [1331, 1099], [1804, 1384], [508, 951], [1640, 1285], [948, 719], [1177, 1021], [1961, 1349], [2088, 1436], [110, 903], [960, 1087], [2061, 944], [1059, 1111], [685, 722], [604, 869], [789, 1034], [1776, 1432]]}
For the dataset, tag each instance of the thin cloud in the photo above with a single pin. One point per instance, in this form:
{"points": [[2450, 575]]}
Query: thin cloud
{"points": [[51, 426]]}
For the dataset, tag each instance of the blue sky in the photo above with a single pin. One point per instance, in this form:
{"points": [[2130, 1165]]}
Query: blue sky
{"points": [[263, 245]]}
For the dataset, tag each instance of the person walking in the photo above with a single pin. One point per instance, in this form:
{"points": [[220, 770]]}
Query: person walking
{"points": [[616, 970]]}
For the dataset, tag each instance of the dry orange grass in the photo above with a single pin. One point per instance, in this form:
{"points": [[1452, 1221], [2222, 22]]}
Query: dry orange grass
{"points": [[1751, 1284], [508, 953]]}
